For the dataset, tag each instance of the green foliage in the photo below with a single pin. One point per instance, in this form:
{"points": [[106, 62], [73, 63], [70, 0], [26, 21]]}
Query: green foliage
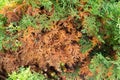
{"points": [[44, 21], [85, 44], [38, 3], [8, 38], [3, 3], [2, 30], [91, 27], [47, 4], [2, 20], [65, 8], [103, 64], [116, 37], [72, 75], [18, 1], [116, 69], [33, 3], [11, 43], [39, 21], [13, 28], [103, 21], [25, 74], [2, 36], [27, 21], [62, 9]]}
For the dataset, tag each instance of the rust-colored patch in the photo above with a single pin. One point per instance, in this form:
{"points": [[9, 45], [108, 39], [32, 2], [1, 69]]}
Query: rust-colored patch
{"points": [[15, 14], [8, 63], [12, 17], [59, 45], [109, 73], [32, 12], [84, 69]]}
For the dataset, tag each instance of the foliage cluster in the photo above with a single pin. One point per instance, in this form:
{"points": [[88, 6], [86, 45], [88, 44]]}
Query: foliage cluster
{"points": [[103, 23], [8, 38], [104, 68], [25, 74]]}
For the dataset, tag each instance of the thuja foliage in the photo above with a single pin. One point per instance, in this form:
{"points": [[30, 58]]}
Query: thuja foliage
{"points": [[27, 21], [8, 38], [103, 23], [85, 43], [104, 68], [103, 20], [25, 74], [62, 8], [72, 75], [2, 33]]}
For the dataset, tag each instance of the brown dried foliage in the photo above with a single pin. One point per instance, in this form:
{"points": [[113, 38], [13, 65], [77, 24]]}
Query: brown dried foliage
{"points": [[59, 45], [8, 63]]}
